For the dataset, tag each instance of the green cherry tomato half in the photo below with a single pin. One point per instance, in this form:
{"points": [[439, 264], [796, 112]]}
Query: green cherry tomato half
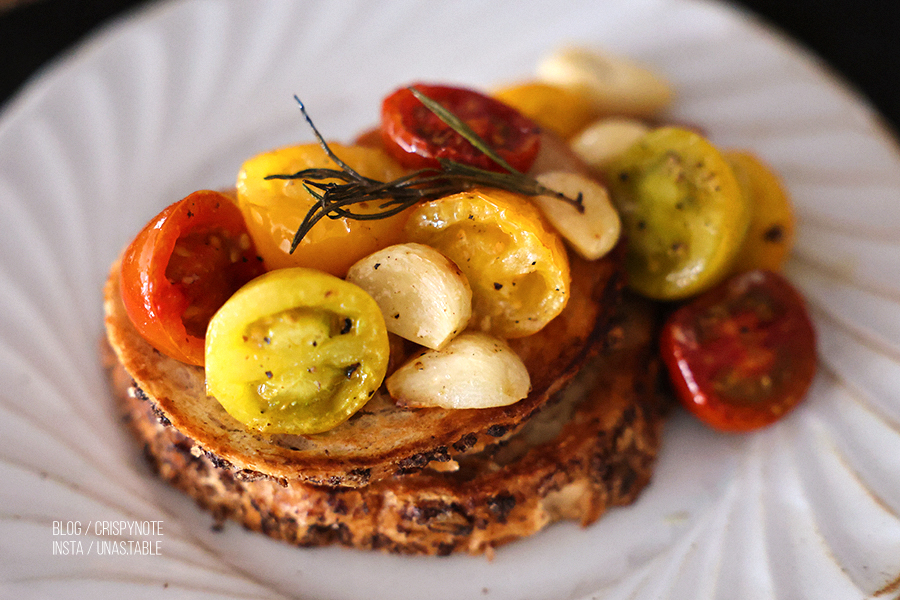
{"points": [[682, 210], [743, 354], [296, 351]]}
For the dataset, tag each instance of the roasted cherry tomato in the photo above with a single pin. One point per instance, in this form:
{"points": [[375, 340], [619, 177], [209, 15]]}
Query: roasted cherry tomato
{"points": [[562, 111], [514, 261], [743, 354], [296, 351], [771, 234], [416, 137], [682, 210], [275, 208], [182, 267]]}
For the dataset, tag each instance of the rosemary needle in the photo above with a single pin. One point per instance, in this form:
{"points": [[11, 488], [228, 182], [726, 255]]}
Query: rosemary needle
{"points": [[460, 127]]}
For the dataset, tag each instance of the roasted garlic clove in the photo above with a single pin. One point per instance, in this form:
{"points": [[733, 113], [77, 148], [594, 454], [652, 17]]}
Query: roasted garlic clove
{"points": [[607, 138], [423, 296], [591, 233], [617, 86], [474, 370]]}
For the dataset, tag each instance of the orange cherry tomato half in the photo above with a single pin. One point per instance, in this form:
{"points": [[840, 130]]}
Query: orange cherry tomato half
{"points": [[416, 137], [743, 354], [183, 266]]}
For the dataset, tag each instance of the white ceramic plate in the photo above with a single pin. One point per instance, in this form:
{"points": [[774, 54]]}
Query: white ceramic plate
{"points": [[175, 97]]}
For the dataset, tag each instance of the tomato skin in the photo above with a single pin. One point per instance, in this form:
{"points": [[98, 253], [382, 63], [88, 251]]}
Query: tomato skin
{"points": [[515, 262], [296, 351], [416, 137], [275, 208], [682, 211], [182, 267], [770, 236], [743, 354], [555, 108]]}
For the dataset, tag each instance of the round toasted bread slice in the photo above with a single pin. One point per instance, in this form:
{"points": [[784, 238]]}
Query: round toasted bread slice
{"points": [[593, 449], [381, 439]]}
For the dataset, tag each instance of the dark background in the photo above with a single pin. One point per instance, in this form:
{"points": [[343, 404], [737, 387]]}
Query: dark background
{"points": [[860, 39]]}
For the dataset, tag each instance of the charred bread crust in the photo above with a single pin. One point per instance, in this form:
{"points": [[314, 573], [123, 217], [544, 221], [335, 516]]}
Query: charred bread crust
{"points": [[381, 440], [601, 456]]}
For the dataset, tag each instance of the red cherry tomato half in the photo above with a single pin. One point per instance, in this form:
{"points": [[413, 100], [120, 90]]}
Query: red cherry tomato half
{"points": [[416, 137], [743, 354], [182, 267]]}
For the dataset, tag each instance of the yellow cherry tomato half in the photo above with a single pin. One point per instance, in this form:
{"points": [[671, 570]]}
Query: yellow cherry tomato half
{"points": [[562, 111], [771, 234], [296, 351], [683, 212], [275, 208], [515, 263]]}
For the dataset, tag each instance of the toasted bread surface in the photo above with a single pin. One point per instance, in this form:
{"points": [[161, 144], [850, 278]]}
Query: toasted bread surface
{"points": [[381, 439], [591, 450]]}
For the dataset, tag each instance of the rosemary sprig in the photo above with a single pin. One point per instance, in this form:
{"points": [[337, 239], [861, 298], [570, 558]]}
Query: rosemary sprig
{"points": [[336, 199]]}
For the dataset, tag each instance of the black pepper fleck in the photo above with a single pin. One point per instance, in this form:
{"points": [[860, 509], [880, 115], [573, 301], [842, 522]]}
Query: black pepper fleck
{"points": [[774, 234]]}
